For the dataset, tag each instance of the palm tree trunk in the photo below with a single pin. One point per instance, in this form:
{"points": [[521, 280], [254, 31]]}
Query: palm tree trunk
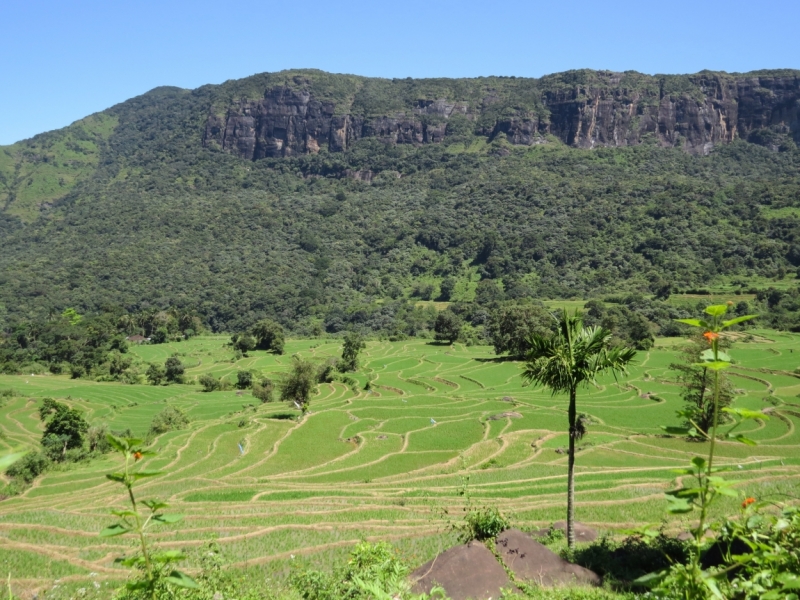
{"points": [[571, 471]]}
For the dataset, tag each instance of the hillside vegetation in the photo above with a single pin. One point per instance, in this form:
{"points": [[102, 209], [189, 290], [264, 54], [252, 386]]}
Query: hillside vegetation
{"points": [[128, 209]]}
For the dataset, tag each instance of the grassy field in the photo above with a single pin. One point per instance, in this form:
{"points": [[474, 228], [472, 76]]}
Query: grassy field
{"points": [[392, 463]]}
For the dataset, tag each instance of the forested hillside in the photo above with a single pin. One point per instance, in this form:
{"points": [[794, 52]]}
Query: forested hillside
{"points": [[141, 207]]}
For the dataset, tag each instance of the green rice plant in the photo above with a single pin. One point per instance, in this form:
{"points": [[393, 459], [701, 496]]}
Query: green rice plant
{"points": [[156, 575]]}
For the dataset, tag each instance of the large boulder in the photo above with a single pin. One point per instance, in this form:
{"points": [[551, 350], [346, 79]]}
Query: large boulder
{"points": [[468, 571], [531, 561]]}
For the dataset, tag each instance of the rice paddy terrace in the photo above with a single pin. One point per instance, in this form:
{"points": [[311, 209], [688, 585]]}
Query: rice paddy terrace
{"points": [[440, 424]]}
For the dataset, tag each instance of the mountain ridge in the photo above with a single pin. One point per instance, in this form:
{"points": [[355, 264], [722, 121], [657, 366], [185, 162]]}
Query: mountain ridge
{"points": [[127, 207]]}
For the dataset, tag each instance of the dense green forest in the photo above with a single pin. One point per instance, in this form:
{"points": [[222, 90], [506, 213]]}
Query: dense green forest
{"points": [[127, 212]]}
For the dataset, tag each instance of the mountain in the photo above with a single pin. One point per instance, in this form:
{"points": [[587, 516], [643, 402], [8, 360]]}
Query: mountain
{"points": [[318, 198]]}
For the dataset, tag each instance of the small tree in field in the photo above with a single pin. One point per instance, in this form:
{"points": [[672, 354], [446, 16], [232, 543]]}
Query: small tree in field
{"points": [[353, 345], [269, 336], [298, 386], [447, 327], [571, 358]]}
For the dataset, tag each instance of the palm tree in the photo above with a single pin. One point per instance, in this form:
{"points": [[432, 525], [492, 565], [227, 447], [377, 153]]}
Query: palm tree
{"points": [[575, 355]]}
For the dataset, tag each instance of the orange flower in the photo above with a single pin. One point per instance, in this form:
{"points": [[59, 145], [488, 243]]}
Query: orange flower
{"points": [[137, 455], [747, 502], [710, 336]]}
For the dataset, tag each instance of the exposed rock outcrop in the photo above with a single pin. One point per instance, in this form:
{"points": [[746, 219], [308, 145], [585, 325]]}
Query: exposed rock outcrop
{"points": [[472, 571], [713, 109]]}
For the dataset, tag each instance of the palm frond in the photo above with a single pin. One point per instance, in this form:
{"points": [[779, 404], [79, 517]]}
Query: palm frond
{"points": [[574, 355]]}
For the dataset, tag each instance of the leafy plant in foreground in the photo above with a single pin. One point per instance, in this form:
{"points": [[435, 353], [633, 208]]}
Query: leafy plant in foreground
{"points": [[156, 573], [706, 486]]}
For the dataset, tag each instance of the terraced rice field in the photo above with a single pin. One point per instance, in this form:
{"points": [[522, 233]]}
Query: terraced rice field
{"points": [[440, 424]]}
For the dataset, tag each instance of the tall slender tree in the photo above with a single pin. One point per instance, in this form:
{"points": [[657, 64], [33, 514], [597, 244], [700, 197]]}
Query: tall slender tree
{"points": [[571, 358]]}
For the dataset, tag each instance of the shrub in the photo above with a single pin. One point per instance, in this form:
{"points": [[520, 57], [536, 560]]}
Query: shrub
{"points": [[263, 390], [169, 419], [29, 467], [327, 372], [374, 571], [96, 438], [210, 383], [482, 524], [244, 380]]}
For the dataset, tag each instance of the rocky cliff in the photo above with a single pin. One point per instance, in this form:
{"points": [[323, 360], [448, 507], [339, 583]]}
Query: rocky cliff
{"points": [[587, 110]]}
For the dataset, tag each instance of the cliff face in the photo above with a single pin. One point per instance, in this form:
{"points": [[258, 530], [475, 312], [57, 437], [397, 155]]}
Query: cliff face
{"points": [[710, 109]]}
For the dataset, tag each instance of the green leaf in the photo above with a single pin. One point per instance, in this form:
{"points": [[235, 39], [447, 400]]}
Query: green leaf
{"points": [[182, 580], [155, 505], [114, 530], [168, 556], [694, 323], [699, 462], [129, 562], [716, 310], [708, 356], [745, 440], [138, 585], [123, 513], [116, 443], [143, 474], [167, 518], [746, 414], [790, 581], [651, 578], [118, 477], [715, 366], [738, 320], [712, 585], [678, 506]]}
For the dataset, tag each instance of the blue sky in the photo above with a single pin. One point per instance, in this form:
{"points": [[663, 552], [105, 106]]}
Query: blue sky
{"points": [[62, 60]]}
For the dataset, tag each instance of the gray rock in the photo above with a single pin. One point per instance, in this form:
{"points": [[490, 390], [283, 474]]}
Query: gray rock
{"points": [[468, 571], [534, 562]]}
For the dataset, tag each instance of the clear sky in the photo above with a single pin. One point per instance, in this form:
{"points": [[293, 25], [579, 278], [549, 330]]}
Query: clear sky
{"points": [[61, 60]]}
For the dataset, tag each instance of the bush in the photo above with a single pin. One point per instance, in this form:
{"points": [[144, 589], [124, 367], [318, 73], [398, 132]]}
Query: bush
{"points": [[169, 419], [97, 438], [244, 380], [29, 467], [373, 571], [482, 524], [210, 383], [263, 390]]}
